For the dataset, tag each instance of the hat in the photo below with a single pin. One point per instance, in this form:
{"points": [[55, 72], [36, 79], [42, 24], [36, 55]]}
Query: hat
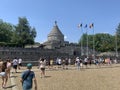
{"points": [[29, 65]]}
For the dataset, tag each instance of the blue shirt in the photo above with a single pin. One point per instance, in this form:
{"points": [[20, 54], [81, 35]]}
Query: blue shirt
{"points": [[27, 83]]}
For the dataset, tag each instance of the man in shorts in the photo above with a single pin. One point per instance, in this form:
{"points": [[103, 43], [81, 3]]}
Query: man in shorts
{"points": [[15, 64]]}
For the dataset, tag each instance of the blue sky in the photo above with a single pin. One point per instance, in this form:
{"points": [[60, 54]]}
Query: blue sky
{"points": [[41, 14]]}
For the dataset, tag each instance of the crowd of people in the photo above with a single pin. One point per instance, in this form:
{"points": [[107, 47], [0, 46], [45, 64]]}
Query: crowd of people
{"points": [[5, 68], [79, 62], [28, 76]]}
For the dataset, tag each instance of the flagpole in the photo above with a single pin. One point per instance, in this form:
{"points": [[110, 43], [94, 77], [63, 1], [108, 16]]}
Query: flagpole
{"points": [[80, 26], [93, 43], [87, 38], [87, 43], [116, 45], [81, 42]]}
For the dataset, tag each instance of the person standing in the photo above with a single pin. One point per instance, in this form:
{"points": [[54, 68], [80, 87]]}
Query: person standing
{"points": [[69, 61], [81, 64], [19, 63], [59, 63], [86, 61], [9, 65], [78, 63], [42, 67], [51, 63], [1, 62], [66, 63], [63, 63], [27, 78], [15, 64]]}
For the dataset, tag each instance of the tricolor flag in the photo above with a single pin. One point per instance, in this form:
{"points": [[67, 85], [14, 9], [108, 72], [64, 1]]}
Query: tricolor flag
{"points": [[91, 25], [79, 25], [85, 26]]}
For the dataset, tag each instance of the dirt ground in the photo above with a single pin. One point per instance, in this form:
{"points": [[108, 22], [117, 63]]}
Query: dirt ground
{"points": [[8, 86], [92, 78]]}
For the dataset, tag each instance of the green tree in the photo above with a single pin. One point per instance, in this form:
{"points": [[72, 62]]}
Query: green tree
{"points": [[24, 33], [6, 31], [117, 35], [102, 42], [83, 40]]}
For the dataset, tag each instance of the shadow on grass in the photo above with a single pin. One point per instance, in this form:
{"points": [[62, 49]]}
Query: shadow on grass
{"points": [[11, 86], [47, 76], [13, 76], [19, 72]]}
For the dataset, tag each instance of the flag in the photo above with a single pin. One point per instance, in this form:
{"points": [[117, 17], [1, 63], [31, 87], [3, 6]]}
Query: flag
{"points": [[79, 25], [85, 26], [91, 25]]}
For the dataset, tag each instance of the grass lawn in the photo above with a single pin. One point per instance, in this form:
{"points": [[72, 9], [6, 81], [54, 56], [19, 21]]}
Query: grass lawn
{"points": [[104, 78]]}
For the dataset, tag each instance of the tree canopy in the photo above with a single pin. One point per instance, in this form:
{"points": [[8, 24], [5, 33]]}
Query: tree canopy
{"points": [[117, 36], [21, 34], [102, 41]]}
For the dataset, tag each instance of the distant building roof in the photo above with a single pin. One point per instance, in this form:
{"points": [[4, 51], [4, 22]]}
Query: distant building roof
{"points": [[55, 31]]}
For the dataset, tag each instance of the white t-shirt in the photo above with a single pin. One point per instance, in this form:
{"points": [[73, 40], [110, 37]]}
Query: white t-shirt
{"points": [[85, 60], [78, 60], [19, 60], [42, 64], [59, 61], [15, 62]]}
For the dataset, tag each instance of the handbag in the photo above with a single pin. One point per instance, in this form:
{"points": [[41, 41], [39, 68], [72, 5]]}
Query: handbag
{"points": [[25, 77]]}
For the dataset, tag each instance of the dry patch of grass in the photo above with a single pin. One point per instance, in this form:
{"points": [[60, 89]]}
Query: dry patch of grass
{"points": [[87, 79]]}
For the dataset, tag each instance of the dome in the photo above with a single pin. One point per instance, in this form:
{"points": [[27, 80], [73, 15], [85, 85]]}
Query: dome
{"points": [[55, 31], [55, 34]]}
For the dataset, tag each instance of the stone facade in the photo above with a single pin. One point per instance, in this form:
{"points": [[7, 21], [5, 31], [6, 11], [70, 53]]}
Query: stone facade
{"points": [[55, 38], [56, 41], [29, 54], [54, 47]]}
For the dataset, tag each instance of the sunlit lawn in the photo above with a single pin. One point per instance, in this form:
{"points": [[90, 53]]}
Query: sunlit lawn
{"points": [[105, 78]]}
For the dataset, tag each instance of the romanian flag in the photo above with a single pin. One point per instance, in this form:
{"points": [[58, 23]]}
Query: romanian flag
{"points": [[91, 25], [79, 25]]}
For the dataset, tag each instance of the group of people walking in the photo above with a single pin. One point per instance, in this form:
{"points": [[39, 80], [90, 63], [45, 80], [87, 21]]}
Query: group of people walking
{"points": [[79, 62], [5, 69], [28, 76]]}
